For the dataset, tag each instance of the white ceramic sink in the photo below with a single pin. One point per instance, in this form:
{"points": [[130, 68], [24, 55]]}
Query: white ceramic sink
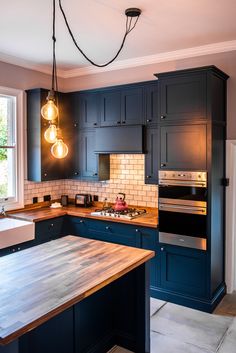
{"points": [[15, 231]]}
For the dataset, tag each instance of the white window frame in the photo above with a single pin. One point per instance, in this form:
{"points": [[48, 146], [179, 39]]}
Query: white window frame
{"points": [[18, 201]]}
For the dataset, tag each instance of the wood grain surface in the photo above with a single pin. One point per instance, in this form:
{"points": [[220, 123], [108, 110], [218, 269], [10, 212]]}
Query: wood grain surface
{"points": [[41, 282], [150, 219]]}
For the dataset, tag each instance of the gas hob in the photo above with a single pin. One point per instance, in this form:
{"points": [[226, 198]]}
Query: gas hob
{"points": [[129, 213]]}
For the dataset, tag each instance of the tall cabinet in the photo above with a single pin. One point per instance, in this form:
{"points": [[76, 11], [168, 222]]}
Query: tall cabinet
{"points": [[192, 133]]}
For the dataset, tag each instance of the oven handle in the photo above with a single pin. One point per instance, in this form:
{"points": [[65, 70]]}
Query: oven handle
{"points": [[183, 209], [201, 184]]}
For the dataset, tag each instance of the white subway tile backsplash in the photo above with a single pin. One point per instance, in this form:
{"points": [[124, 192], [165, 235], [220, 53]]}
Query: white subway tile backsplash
{"points": [[126, 175]]}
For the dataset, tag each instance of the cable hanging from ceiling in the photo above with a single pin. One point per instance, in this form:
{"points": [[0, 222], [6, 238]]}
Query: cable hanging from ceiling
{"points": [[132, 16], [50, 111]]}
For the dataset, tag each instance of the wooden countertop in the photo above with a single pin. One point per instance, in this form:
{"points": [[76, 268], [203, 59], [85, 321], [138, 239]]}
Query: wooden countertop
{"points": [[41, 282], [150, 219]]}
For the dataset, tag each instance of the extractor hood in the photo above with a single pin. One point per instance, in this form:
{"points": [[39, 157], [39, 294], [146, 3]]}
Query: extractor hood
{"points": [[121, 139]]}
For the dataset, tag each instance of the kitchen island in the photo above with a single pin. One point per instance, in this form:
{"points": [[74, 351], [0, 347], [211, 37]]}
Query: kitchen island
{"points": [[74, 295]]}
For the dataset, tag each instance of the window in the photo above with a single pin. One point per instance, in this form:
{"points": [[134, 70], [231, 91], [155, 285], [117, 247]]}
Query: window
{"points": [[11, 148]]}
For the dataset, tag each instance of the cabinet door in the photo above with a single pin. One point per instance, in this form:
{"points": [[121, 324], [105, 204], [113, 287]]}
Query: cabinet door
{"points": [[110, 108], [183, 147], [51, 167], [151, 157], [78, 226], [48, 230], [132, 106], [183, 270], [42, 166], [183, 97], [88, 160], [150, 242], [88, 110], [151, 94]]}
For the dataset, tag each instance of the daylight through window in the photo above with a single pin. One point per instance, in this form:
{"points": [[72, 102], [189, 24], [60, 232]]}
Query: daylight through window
{"points": [[10, 175]]}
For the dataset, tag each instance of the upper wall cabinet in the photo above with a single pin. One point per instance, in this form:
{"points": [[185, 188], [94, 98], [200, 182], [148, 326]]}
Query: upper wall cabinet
{"points": [[132, 106], [191, 95], [183, 147], [85, 109], [121, 106], [110, 107], [42, 166], [151, 103], [183, 98]]}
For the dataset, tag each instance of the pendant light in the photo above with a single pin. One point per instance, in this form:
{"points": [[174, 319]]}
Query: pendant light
{"points": [[50, 110], [59, 149], [50, 134]]}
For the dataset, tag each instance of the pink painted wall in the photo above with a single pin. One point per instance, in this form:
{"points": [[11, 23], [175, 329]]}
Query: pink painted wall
{"points": [[14, 76]]}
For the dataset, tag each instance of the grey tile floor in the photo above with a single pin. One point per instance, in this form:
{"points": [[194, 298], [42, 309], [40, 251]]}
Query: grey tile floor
{"points": [[176, 329]]}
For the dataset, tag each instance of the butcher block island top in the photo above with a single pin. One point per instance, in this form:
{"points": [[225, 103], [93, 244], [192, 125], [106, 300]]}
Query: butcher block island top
{"points": [[43, 281]]}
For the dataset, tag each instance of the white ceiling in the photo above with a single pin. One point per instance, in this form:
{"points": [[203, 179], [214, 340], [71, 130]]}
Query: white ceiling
{"points": [[99, 25]]}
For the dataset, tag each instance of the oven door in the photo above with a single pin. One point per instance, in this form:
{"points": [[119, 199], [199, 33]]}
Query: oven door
{"points": [[185, 195], [183, 226]]}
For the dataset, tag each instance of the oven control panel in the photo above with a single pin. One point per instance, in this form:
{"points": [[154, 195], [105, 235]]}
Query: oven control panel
{"points": [[180, 175]]}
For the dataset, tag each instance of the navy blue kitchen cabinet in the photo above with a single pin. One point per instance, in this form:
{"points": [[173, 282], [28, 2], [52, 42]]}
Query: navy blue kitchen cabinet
{"points": [[151, 103], [183, 277], [183, 96], [124, 234], [106, 231], [183, 147], [41, 164], [149, 240], [151, 156], [132, 107], [85, 109], [110, 107], [48, 230], [18, 247], [122, 106], [87, 158], [91, 166]]}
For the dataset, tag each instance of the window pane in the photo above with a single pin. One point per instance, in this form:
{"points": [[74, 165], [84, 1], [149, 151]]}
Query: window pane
{"points": [[7, 121], [7, 173]]}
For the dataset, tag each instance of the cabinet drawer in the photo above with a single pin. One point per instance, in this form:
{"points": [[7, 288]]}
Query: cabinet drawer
{"points": [[115, 233]]}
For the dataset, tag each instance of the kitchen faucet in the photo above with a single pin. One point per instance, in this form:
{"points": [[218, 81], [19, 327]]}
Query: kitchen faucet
{"points": [[3, 212]]}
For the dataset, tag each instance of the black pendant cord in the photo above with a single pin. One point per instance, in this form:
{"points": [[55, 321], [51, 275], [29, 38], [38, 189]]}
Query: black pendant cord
{"points": [[54, 44], [54, 65], [129, 28]]}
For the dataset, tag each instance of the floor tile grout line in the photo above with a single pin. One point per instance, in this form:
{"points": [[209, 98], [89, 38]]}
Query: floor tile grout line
{"points": [[158, 309], [223, 337]]}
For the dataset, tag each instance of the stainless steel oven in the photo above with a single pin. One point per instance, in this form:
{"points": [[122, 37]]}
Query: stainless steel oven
{"points": [[183, 208]]}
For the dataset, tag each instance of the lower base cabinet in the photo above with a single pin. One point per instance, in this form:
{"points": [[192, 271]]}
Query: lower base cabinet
{"points": [[48, 230], [183, 270], [124, 234]]}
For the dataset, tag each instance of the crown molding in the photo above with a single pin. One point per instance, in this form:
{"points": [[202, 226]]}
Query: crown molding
{"points": [[155, 59], [208, 49]]}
